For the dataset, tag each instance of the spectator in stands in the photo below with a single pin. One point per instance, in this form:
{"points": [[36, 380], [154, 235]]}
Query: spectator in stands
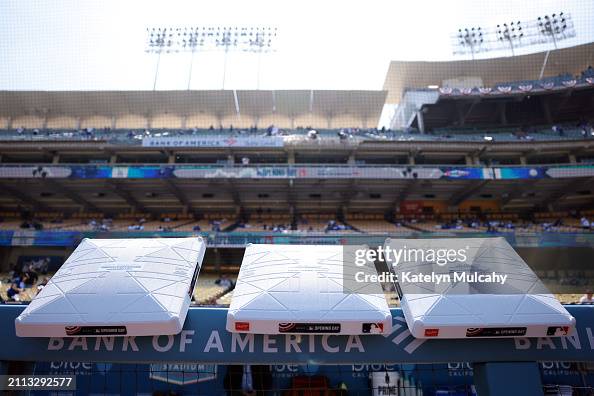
{"points": [[196, 228], [29, 277], [14, 292], [42, 284], [31, 225], [272, 130], [587, 298], [14, 271], [40, 266], [278, 228], [216, 225], [585, 223], [558, 130], [224, 281]]}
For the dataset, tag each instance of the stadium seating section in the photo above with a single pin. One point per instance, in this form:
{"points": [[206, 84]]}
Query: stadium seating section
{"points": [[208, 292], [313, 223], [467, 134]]}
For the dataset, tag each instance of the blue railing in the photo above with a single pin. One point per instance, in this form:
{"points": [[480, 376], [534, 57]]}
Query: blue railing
{"points": [[241, 239]]}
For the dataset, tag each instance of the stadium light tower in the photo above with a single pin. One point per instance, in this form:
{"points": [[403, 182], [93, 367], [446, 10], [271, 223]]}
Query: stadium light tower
{"points": [[471, 38], [514, 34], [511, 34], [261, 42], [256, 39], [158, 40], [191, 40], [555, 26]]}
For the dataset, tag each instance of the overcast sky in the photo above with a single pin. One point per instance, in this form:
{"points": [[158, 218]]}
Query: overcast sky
{"points": [[87, 45]]}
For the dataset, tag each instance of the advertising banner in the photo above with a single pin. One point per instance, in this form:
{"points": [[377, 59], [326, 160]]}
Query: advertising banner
{"points": [[213, 141], [290, 172], [205, 340]]}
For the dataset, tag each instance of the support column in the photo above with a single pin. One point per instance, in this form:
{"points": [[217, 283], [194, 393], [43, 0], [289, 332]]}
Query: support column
{"points": [[572, 159], [217, 254], [56, 158], [523, 160], [510, 379], [411, 159], [291, 157], [230, 159], [546, 109], [114, 121], [420, 121], [171, 158], [502, 113], [351, 160], [113, 159], [468, 160]]}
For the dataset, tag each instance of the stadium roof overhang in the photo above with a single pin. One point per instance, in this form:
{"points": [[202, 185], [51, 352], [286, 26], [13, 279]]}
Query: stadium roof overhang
{"points": [[418, 74], [224, 195], [219, 103]]}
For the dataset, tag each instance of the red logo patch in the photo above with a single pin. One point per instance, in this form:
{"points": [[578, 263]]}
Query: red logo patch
{"points": [[431, 332], [242, 326]]}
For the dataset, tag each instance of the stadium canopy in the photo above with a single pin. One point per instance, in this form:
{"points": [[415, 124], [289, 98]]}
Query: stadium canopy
{"points": [[318, 105], [404, 75]]}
